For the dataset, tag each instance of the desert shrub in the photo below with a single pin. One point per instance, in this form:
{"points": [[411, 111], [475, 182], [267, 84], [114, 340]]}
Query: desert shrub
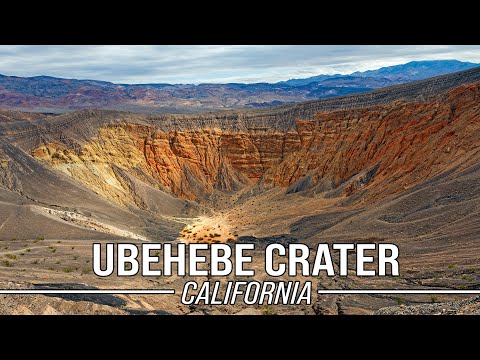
{"points": [[268, 310], [67, 270], [7, 263], [433, 299], [11, 256], [75, 257]]}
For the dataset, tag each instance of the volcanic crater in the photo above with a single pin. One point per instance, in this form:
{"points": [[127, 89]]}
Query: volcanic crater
{"points": [[400, 165]]}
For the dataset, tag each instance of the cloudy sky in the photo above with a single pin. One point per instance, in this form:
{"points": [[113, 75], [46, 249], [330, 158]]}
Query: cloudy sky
{"points": [[205, 63]]}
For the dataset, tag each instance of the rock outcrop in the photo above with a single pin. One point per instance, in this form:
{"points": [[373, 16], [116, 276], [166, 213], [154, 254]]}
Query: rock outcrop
{"points": [[385, 149], [190, 163]]}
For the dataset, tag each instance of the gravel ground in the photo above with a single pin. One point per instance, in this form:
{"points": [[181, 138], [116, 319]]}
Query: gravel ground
{"points": [[469, 306]]}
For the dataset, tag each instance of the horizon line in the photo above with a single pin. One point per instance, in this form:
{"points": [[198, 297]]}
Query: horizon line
{"points": [[227, 83]]}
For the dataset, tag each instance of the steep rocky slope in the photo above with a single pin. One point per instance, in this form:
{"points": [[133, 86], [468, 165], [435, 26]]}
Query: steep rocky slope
{"points": [[386, 149]]}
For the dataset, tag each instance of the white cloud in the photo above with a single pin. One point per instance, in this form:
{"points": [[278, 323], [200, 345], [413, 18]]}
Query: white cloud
{"points": [[213, 63]]}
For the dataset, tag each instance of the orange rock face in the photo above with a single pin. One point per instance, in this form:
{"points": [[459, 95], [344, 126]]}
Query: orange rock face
{"points": [[192, 163], [189, 164], [403, 143], [385, 149]]}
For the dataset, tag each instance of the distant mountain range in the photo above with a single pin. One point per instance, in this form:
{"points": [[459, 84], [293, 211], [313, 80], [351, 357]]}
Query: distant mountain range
{"points": [[50, 94], [414, 70]]}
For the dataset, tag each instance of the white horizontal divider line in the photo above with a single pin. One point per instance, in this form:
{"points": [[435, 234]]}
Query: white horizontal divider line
{"points": [[406, 291], [85, 291], [171, 291]]}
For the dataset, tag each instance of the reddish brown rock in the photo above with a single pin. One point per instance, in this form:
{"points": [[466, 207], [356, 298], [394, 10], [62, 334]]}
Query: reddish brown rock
{"points": [[405, 142], [385, 149]]}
